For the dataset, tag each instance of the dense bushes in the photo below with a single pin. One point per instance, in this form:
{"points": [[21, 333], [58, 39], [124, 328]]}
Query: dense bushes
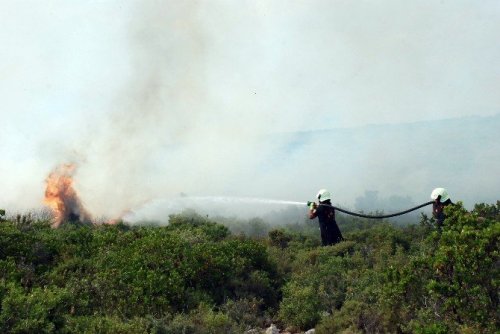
{"points": [[458, 275], [401, 279], [193, 276], [81, 278]]}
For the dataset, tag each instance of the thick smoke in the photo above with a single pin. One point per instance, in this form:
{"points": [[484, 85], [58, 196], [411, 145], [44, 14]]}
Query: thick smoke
{"points": [[153, 99], [167, 131], [177, 124]]}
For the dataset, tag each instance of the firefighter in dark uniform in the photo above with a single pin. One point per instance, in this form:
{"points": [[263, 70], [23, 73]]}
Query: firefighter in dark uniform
{"points": [[441, 200], [330, 232]]}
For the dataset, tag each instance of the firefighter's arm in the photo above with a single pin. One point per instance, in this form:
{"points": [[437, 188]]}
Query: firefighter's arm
{"points": [[312, 210]]}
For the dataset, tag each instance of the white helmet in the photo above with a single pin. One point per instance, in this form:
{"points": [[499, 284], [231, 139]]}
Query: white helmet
{"points": [[324, 195], [440, 192]]}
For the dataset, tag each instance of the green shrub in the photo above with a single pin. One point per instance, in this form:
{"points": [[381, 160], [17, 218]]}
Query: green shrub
{"points": [[191, 221], [279, 238], [300, 306], [247, 313], [354, 317], [36, 311], [105, 325], [454, 284], [203, 320]]}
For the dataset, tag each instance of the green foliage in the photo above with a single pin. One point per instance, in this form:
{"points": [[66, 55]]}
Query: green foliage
{"points": [[203, 320], [88, 279], [105, 325], [300, 306], [193, 276], [279, 238], [191, 222], [247, 313], [354, 317], [401, 279], [39, 311], [320, 283], [487, 211], [452, 284]]}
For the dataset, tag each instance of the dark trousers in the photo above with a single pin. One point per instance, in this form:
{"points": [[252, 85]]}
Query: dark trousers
{"points": [[330, 233]]}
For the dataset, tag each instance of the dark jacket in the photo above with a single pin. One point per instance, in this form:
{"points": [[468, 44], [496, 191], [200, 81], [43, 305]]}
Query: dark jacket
{"points": [[438, 211], [330, 232]]}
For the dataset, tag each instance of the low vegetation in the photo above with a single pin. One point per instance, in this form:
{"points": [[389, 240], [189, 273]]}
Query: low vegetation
{"points": [[196, 276]]}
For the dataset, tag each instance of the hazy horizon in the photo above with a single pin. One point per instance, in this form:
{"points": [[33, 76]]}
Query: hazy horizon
{"points": [[249, 99]]}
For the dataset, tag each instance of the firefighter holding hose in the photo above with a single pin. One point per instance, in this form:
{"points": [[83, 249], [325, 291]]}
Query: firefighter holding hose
{"points": [[330, 232], [441, 200]]}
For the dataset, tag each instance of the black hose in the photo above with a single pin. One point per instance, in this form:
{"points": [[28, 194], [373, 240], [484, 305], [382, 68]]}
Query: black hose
{"points": [[379, 217]]}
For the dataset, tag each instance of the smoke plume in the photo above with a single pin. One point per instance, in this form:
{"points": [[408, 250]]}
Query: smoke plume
{"points": [[156, 98]]}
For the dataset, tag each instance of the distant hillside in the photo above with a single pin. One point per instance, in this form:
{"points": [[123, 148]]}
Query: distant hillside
{"points": [[402, 160], [372, 168]]}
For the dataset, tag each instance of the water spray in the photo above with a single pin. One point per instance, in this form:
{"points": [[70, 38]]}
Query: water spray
{"points": [[242, 200], [244, 206]]}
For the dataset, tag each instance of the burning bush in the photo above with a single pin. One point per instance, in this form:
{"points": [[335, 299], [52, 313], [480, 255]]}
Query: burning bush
{"points": [[61, 197]]}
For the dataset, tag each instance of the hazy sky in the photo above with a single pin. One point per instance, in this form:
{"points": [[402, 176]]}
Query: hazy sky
{"points": [[154, 98]]}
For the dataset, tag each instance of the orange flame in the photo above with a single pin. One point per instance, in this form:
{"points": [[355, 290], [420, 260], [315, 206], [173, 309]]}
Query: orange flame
{"points": [[62, 199]]}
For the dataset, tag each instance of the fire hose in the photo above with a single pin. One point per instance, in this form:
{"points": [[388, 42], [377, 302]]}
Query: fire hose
{"points": [[378, 216]]}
